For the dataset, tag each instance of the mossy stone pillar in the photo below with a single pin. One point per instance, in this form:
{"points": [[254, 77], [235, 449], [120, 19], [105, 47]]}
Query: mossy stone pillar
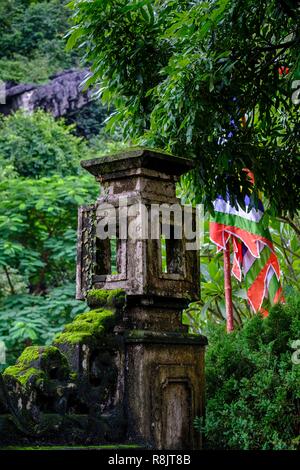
{"points": [[164, 365]]}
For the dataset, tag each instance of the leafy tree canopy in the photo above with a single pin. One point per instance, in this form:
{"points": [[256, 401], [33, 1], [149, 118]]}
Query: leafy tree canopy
{"points": [[212, 80], [32, 43], [37, 145]]}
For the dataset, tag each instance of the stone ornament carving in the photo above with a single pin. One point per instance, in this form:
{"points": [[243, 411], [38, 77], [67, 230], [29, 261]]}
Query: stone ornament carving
{"points": [[86, 250]]}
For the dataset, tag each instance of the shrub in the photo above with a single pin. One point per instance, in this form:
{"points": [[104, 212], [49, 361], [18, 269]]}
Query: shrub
{"points": [[253, 386], [36, 145], [27, 319]]}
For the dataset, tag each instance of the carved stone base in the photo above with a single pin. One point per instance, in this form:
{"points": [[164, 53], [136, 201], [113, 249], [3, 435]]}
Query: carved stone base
{"points": [[164, 388]]}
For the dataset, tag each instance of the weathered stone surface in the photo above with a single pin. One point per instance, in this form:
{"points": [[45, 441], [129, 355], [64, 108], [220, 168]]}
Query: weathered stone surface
{"points": [[61, 96], [165, 372], [108, 168], [164, 375]]}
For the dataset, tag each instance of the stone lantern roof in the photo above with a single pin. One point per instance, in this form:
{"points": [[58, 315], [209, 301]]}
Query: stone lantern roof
{"points": [[137, 158]]}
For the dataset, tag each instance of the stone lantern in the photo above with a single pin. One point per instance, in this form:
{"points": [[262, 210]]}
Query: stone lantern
{"points": [[132, 238]]}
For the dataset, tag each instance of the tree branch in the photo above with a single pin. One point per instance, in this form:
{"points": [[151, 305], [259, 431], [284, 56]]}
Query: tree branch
{"points": [[274, 47], [12, 289], [289, 221]]}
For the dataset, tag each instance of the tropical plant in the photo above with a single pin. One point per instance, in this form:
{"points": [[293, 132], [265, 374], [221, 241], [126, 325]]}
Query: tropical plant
{"points": [[211, 306], [38, 220], [34, 319], [89, 120], [253, 383], [286, 238]]}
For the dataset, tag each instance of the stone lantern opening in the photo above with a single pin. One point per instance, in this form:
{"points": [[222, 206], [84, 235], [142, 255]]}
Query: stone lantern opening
{"points": [[107, 259]]}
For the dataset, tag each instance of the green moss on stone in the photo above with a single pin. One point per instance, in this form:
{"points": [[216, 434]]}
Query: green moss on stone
{"points": [[30, 354], [33, 363], [50, 357], [24, 375], [86, 326], [109, 298], [34, 353], [74, 376], [49, 352], [71, 338]]}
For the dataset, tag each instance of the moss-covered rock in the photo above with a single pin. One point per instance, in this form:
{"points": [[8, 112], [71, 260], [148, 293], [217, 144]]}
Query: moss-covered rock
{"points": [[29, 355], [24, 376], [87, 326], [74, 376], [36, 363]]}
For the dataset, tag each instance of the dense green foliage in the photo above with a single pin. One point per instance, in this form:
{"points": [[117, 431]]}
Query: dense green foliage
{"points": [[178, 75], [32, 44], [253, 386], [41, 188], [35, 319], [89, 120], [183, 74], [36, 145], [38, 221], [41, 184]]}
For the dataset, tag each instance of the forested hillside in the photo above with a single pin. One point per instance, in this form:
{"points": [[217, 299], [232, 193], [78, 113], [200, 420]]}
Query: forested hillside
{"points": [[32, 44]]}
